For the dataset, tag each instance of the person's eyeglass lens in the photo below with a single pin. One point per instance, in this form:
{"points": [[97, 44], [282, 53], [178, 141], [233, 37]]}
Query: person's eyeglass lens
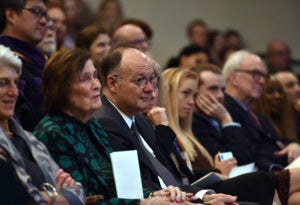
{"points": [[38, 12]]}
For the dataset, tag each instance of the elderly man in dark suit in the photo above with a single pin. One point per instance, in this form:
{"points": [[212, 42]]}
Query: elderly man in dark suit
{"points": [[245, 74]]}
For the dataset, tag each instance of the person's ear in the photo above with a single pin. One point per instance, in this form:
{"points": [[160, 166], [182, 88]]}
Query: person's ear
{"points": [[112, 83], [10, 15], [233, 78]]}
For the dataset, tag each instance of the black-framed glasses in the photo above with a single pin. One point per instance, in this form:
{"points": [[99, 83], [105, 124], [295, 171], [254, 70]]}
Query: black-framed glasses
{"points": [[256, 74], [38, 12], [51, 28], [141, 82]]}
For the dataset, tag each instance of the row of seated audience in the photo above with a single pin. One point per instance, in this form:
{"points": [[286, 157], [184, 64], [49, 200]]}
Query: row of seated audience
{"points": [[81, 144], [83, 91], [84, 98], [183, 135], [213, 41]]}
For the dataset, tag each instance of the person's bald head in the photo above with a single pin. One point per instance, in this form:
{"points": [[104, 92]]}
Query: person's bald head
{"points": [[133, 35], [278, 55], [129, 79], [277, 45]]}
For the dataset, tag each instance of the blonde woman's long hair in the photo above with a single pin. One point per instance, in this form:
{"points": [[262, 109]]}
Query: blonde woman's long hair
{"points": [[172, 79]]}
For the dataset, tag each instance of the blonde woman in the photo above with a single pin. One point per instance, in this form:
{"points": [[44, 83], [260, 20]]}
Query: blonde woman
{"points": [[181, 90]]}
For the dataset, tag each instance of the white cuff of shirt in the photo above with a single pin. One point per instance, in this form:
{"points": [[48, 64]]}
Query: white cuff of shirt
{"points": [[232, 124], [200, 194]]}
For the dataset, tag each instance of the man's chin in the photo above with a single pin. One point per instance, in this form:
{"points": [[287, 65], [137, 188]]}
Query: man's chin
{"points": [[144, 107]]}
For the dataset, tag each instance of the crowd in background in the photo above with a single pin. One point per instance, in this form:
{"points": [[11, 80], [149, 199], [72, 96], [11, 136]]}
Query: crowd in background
{"points": [[85, 85]]}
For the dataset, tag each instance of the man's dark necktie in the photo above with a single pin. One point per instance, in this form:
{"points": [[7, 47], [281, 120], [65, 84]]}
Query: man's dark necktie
{"points": [[160, 169], [181, 163], [254, 117]]}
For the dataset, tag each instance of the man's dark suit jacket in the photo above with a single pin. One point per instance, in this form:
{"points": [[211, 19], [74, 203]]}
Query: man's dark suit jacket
{"points": [[121, 138], [257, 187], [229, 138], [261, 140]]}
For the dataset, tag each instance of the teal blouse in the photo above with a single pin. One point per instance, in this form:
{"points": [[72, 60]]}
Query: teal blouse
{"points": [[83, 150]]}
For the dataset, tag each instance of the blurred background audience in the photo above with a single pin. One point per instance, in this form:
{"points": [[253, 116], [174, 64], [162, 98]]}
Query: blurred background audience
{"points": [[94, 39], [189, 57], [58, 16], [197, 33], [48, 44], [110, 13]]}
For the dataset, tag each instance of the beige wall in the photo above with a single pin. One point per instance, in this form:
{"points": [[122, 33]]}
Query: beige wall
{"points": [[259, 21]]}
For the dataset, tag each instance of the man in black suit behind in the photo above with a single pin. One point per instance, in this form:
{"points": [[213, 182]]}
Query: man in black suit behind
{"points": [[245, 75], [212, 124]]}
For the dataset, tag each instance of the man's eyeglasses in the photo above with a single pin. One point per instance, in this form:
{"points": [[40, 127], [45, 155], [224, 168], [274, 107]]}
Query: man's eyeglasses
{"points": [[38, 12], [51, 28], [256, 75], [138, 42], [141, 82]]}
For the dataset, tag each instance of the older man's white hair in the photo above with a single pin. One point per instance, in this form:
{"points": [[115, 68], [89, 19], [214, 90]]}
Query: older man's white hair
{"points": [[7, 57], [233, 63]]}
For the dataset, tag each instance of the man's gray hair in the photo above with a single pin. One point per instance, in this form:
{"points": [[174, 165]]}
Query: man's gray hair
{"points": [[233, 63]]}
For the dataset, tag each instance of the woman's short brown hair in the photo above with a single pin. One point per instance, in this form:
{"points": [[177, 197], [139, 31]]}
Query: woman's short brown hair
{"points": [[88, 35], [58, 74]]}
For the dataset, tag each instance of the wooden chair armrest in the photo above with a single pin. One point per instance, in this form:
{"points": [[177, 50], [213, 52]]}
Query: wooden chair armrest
{"points": [[94, 198]]}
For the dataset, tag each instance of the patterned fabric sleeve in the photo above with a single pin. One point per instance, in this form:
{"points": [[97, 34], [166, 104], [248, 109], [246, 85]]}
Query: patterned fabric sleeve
{"points": [[68, 153], [74, 194]]}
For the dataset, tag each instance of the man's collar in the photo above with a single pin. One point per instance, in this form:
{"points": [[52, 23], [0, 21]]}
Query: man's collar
{"points": [[245, 107], [127, 119]]}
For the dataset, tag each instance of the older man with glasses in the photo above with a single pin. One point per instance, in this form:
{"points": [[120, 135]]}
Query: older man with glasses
{"points": [[245, 75], [23, 25], [48, 44]]}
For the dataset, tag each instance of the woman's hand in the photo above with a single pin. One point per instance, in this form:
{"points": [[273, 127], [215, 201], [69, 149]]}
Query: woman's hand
{"points": [[175, 194], [292, 151], [226, 165], [63, 179]]}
